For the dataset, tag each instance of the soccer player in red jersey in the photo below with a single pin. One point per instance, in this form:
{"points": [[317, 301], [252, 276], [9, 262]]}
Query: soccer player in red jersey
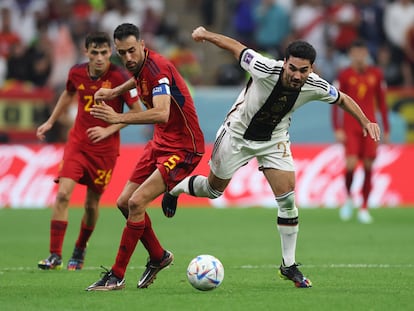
{"points": [[366, 85], [92, 147], [173, 153]]}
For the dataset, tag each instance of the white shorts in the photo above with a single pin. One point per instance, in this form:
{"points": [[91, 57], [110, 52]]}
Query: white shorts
{"points": [[231, 152]]}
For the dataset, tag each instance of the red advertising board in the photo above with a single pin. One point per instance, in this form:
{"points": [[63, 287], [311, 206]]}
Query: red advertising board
{"points": [[27, 173]]}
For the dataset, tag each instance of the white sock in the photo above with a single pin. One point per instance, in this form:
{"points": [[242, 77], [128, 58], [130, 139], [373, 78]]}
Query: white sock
{"points": [[288, 237]]}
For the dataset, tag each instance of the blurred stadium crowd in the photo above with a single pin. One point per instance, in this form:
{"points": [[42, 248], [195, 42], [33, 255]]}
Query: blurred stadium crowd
{"points": [[41, 39]]}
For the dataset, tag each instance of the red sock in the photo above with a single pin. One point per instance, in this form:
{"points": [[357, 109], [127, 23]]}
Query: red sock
{"points": [[150, 241], [129, 240], [366, 188], [57, 234], [349, 176], [84, 235]]}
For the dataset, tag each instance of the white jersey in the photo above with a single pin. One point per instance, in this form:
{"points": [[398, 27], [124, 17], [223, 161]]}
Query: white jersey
{"points": [[263, 108]]}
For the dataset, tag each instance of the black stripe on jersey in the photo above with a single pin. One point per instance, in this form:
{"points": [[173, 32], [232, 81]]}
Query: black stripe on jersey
{"points": [[318, 83], [262, 67], [218, 141]]}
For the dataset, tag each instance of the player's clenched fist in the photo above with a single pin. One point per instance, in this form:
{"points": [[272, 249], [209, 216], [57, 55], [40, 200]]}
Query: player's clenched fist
{"points": [[198, 33]]}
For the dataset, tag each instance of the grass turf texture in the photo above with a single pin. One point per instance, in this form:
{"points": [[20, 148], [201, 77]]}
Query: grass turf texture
{"points": [[352, 266]]}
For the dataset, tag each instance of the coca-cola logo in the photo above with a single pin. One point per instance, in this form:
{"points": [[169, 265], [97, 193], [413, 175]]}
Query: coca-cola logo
{"points": [[26, 175], [319, 181]]}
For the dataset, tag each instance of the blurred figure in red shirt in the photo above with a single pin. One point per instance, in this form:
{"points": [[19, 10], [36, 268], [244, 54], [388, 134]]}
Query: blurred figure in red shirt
{"points": [[365, 83]]}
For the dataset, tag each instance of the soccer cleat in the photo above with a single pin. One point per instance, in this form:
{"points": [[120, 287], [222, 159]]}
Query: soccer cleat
{"points": [[152, 268], [292, 273], [345, 212], [169, 204], [364, 217], [77, 259], [53, 262], [108, 282]]}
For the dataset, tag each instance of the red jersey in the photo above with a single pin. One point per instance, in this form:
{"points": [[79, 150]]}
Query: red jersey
{"points": [[81, 82], [367, 88], [182, 131]]}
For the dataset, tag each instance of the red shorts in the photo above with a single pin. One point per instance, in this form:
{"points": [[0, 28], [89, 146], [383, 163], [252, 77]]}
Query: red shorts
{"points": [[94, 171], [356, 144], [174, 166]]}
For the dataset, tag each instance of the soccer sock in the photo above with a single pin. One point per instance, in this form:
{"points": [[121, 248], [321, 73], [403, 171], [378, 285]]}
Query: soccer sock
{"points": [[84, 235], [288, 226], [366, 188], [349, 176], [57, 234], [129, 240], [197, 186], [150, 241]]}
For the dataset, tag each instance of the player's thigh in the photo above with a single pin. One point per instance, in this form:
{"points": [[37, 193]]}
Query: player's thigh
{"points": [[148, 191], [229, 154], [280, 181], [126, 193], [175, 166], [278, 167]]}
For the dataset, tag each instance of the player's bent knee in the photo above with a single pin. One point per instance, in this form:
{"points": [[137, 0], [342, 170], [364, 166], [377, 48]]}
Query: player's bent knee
{"points": [[212, 193], [286, 202]]}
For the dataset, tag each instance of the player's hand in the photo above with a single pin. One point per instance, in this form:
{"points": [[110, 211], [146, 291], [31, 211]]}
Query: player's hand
{"points": [[373, 130], [198, 34], [103, 94], [41, 130], [97, 133], [105, 112]]}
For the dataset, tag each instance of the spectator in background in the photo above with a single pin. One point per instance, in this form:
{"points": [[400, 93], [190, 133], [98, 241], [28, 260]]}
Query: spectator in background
{"points": [[408, 62], [343, 18], [398, 16], [389, 66], [371, 28], [8, 37], [270, 36], [243, 23], [186, 61], [309, 23], [366, 85]]}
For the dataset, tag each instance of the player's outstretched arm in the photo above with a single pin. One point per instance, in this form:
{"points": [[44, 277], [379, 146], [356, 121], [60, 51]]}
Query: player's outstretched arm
{"points": [[349, 105], [65, 99], [105, 94], [200, 34]]}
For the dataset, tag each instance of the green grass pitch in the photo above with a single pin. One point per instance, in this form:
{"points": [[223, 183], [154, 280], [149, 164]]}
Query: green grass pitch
{"points": [[352, 266]]}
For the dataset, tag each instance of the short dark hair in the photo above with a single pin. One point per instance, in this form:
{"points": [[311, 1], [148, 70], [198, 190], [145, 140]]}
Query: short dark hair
{"points": [[301, 49], [125, 30], [97, 39]]}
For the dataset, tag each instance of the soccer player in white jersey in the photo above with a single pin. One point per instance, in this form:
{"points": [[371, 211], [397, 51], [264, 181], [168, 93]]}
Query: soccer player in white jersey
{"points": [[257, 127]]}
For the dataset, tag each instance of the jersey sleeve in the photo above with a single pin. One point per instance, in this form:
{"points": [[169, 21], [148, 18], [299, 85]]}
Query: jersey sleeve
{"points": [[130, 97], [258, 65], [70, 87], [323, 90]]}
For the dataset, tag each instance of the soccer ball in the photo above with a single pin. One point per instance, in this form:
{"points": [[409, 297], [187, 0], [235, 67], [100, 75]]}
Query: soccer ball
{"points": [[205, 272]]}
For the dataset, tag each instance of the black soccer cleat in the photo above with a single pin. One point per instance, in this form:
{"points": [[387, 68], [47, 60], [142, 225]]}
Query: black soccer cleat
{"points": [[169, 204], [292, 273], [108, 281], [152, 268]]}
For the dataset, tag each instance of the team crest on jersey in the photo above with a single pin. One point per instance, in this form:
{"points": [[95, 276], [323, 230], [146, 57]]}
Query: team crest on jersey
{"points": [[144, 87], [248, 58], [107, 84], [332, 91]]}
